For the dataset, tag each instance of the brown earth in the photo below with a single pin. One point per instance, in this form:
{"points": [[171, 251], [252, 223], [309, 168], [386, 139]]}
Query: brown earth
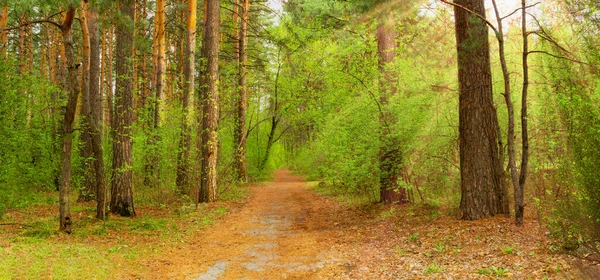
{"points": [[288, 231]]}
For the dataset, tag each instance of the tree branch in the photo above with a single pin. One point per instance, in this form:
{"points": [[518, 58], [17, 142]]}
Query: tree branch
{"points": [[520, 8], [32, 22], [488, 23], [559, 57], [372, 96]]}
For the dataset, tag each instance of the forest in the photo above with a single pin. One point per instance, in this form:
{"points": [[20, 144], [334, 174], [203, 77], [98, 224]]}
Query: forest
{"points": [[305, 139]]}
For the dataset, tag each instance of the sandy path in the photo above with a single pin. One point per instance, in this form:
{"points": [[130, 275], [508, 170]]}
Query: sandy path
{"points": [[284, 231]]}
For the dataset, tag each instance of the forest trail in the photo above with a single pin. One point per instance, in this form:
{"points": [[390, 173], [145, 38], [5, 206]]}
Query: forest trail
{"points": [[284, 231]]}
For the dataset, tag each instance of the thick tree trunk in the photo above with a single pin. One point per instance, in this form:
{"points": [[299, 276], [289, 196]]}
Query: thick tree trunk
{"points": [[183, 158], [482, 183], [66, 129], [239, 138], [121, 201], [96, 110], [210, 112], [390, 151]]}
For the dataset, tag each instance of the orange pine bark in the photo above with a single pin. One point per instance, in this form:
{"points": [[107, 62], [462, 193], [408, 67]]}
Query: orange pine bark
{"points": [[3, 25]]}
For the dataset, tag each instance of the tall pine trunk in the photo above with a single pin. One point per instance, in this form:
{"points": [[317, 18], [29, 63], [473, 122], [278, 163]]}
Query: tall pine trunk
{"points": [[483, 187], [3, 33], [96, 110], [242, 98], [210, 102], [390, 151], [88, 191], [121, 201], [66, 129], [183, 158], [152, 175]]}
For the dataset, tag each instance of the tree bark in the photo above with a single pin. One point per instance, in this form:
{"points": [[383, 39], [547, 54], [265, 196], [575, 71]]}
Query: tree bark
{"points": [[152, 176], [108, 119], [22, 45], [66, 129], [121, 201], [96, 110], [519, 194], [3, 33], [88, 190], [239, 135], [183, 158], [390, 150], [509, 104], [483, 189], [210, 112]]}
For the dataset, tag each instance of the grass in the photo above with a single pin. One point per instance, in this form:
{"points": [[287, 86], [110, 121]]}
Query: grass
{"points": [[439, 247], [499, 271], [484, 271], [346, 198], [433, 268], [413, 237], [96, 249], [508, 250]]}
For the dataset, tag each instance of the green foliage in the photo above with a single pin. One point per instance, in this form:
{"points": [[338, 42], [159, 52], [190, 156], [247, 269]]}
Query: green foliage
{"points": [[508, 250], [433, 268], [28, 119], [499, 271], [148, 223], [484, 271], [576, 219], [440, 247], [413, 237]]}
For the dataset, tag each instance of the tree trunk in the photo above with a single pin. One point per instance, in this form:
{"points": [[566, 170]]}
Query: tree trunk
{"points": [[3, 33], [242, 103], [482, 183], [22, 45], [509, 104], [51, 56], [270, 141], [183, 158], [121, 201], [390, 150], [66, 129], [210, 112], [96, 110], [519, 193], [88, 190], [108, 119], [152, 176]]}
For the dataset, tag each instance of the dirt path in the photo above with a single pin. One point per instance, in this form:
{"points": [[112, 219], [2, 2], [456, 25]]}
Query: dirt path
{"points": [[284, 231]]}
